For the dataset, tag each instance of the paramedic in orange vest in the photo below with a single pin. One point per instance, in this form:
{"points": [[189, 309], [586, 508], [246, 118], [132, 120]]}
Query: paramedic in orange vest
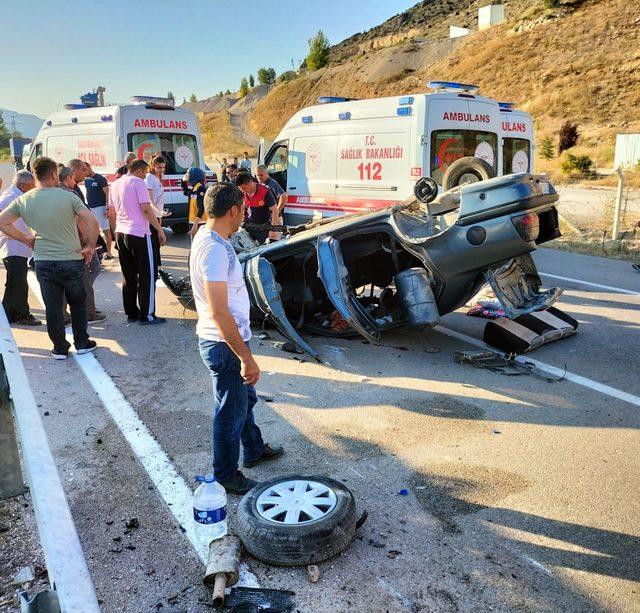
{"points": [[194, 187], [262, 207]]}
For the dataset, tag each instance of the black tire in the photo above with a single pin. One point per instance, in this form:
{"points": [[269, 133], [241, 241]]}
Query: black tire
{"points": [[302, 544], [466, 166], [180, 228]]}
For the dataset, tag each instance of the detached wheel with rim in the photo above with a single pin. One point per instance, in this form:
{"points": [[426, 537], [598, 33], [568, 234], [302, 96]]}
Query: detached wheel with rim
{"points": [[296, 521], [467, 170]]}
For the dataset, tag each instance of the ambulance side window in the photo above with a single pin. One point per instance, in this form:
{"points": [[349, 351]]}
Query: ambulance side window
{"points": [[276, 162], [36, 153], [516, 155], [447, 146]]}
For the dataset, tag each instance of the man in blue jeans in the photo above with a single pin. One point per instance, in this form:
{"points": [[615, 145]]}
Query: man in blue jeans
{"points": [[223, 330], [54, 215]]}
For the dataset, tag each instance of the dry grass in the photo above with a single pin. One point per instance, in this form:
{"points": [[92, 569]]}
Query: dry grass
{"points": [[218, 138], [583, 66]]}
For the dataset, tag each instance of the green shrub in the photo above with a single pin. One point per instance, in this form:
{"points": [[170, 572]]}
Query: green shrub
{"points": [[577, 164], [547, 150], [551, 4]]}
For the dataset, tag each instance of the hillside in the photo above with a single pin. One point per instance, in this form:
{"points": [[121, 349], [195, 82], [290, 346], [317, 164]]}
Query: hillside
{"points": [[579, 62]]}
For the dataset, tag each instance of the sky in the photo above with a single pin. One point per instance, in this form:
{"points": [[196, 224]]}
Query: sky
{"points": [[56, 51]]}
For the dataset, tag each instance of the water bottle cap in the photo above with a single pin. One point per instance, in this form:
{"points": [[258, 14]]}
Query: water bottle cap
{"points": [[206, 479]]}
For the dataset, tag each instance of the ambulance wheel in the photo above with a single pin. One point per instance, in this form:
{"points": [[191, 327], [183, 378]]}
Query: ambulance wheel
{"points": [[467, 170], [180, 228]]}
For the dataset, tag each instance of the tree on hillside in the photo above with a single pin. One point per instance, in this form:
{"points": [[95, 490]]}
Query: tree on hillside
{"points": [[547, 151], [221, 94], [227, 93], [4, 133], [171, 96], [251, 81], [318, 52], [266, 76], [568, 136], [193, 98], [244, 87]]}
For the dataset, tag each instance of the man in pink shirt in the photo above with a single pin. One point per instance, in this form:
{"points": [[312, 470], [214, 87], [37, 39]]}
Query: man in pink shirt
{"points": [[129, 198]]}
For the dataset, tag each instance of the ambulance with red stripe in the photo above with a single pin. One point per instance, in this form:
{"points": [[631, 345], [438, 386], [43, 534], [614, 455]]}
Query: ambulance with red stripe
{"points": [[345, 156], [102, 136]]}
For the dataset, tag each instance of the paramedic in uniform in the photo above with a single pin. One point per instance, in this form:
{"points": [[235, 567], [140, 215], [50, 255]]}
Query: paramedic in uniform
{"points": [[129, 197], [261, 207], [223, 330]]}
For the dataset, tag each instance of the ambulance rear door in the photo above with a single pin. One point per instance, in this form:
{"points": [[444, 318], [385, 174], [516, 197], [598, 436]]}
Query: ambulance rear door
{"points": [[460, 125], [517, 141], [311, 171], [377, 140]]}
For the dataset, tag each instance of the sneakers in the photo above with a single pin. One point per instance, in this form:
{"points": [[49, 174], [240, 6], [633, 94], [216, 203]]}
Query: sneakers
{"points": [[238, 484], [96, 317], [88, 348], [59, 355], [29, 320], [132, 320], [268, 453], [153, 322]]}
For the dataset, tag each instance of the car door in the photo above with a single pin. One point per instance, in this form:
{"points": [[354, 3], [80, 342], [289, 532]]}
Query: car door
{"points": [[335, 277], [265, 294]]}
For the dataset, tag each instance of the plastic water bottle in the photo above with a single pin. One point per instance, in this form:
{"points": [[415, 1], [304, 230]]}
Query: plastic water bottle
{"points": [[210, 509]]}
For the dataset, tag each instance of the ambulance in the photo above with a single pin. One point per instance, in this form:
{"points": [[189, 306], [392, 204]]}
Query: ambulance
{"points": [[345, 156], [102, 136]]}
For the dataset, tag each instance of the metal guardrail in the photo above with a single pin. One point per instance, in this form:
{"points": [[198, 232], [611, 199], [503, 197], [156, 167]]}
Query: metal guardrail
{"points": [[72, 589]]}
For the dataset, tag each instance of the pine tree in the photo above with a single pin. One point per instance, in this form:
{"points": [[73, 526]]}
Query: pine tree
{"points": [[547, 150], [318, 52], [171, 96], [251, 81], [266, 76], [244, 87], [193, 98]]}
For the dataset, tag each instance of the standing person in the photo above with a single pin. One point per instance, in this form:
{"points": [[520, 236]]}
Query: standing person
{"points": [[262, 174], [93, 267], [222, 303], [156, 193], [194, 187], [54, 215], [223, 169], [261, 207], [232, 173], [245, 164], [129, 197], [15, 255], [97, 188], [122, 170], [235, 160]]}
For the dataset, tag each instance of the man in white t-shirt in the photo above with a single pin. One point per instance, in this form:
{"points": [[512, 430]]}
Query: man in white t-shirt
{"points": [[223, 330]]}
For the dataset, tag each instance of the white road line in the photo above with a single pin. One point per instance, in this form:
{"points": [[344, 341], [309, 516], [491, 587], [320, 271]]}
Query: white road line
{"points": [[609, 288], [552, 370], [170, 485]]}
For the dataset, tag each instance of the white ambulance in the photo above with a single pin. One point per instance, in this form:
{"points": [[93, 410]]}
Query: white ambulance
{"points": [[517, 139], [102, 135], [345, 156]]}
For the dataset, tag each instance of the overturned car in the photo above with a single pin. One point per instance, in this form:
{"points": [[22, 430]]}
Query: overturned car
{"points": [[403, 265]]}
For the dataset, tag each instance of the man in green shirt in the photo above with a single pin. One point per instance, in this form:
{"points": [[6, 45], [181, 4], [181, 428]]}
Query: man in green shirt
{"points": [[57, 218]]}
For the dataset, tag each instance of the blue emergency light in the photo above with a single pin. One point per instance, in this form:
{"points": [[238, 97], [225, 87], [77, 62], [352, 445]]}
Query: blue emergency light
{"points": [[75, 106], [346, 115], [403, 110], [332, 99], [106, 118], [465, 87], [506, 106], [307, 119], [406, 100]]}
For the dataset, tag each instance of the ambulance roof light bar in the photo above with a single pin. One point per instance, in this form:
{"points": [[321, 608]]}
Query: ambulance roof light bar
{"points": [[506, 106], [333, 99], [153, 102], [452, 86]]}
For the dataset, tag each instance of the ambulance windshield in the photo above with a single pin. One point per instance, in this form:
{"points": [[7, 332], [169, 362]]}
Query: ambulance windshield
{"points": [[447, 146], [179, 150]]}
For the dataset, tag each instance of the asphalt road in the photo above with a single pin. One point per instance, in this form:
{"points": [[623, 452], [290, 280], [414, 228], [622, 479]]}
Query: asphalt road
{"points": [[523, 494]]}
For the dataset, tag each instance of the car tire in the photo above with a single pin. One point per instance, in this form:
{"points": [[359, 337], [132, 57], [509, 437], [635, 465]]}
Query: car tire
{"points": [[466, 168], [296, 544], [179, 228]]}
